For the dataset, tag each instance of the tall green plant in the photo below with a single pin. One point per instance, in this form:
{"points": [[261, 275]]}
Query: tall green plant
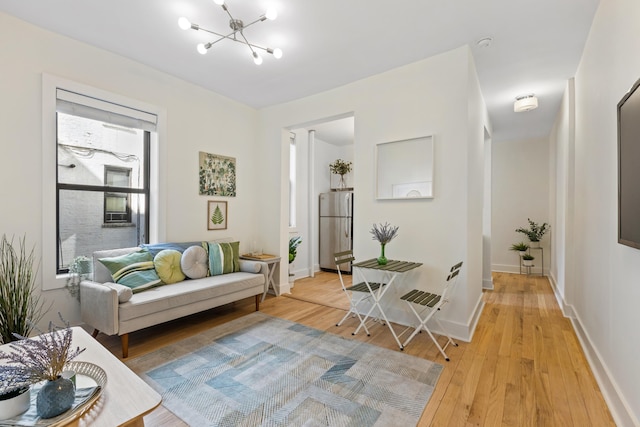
{"points": [[20, 305]]}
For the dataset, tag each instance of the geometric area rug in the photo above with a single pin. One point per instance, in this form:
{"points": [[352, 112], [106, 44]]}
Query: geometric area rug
{"points": [[260, 370]]}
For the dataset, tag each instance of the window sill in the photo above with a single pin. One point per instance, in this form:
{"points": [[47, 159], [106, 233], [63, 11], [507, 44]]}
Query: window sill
{"points": [[118, 224]]}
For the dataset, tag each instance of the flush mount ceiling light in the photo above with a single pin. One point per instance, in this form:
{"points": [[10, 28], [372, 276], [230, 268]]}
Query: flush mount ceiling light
{"points": [[525, 103], [484, 42], [237, 33]]}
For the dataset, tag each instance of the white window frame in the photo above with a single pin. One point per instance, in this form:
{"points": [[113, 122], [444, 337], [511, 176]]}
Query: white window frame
{"points": [[293, 181], [126, 197], [158, 159]]}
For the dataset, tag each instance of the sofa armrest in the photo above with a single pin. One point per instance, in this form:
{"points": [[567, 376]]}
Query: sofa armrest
{"points": [[99, 306], [258, 267]]}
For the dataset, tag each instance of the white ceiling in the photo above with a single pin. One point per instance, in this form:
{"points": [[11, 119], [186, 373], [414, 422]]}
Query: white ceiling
{"points": [[328, 43]]}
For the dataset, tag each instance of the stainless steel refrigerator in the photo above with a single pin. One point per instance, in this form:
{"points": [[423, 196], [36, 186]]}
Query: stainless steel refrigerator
{"points": [[336, 226]]}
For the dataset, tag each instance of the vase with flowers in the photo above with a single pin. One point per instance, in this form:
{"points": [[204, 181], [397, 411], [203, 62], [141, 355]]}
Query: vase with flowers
{"points": [[341, 167], [38, 359], [383, 233]]}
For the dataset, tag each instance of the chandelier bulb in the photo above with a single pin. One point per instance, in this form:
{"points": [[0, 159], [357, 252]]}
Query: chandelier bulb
{"points": [[271, 13], [219, 2], [202, 48], [257, 58], [184, 23], [277, 53]]}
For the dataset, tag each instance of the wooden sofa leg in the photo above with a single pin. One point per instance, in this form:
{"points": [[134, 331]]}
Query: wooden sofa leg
{"points": [[257, 302], [125, 345], [95, 333]]}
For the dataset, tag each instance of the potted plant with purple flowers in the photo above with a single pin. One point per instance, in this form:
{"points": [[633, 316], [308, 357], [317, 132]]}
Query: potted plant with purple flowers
{"points": [[43, 358]]}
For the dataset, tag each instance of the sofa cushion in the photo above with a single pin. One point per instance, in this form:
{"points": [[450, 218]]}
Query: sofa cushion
{"points": [[134, 270], [101, 274], [224, 258], [124, 292], [195, 262], [167, 265], [155, 248], [187, 292]]}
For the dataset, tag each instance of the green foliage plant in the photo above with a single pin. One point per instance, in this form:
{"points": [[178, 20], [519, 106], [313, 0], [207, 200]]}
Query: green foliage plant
{"points": [[20, 304], [293, 247], [340, 167], [535, 231], [528, 257], [519, 247]]}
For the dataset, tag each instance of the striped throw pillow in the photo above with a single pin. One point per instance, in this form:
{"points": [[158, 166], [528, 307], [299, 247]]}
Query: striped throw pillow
{"points": [[224, 258], [134, 270]]}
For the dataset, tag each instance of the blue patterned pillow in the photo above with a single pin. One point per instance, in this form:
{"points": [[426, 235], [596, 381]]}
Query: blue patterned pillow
{"points": [[155, 248], [134, 270], [224, 258]]}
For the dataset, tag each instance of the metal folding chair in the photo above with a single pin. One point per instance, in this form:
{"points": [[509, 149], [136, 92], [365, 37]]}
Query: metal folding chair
{"points": [[428, 305], [356, 294]]}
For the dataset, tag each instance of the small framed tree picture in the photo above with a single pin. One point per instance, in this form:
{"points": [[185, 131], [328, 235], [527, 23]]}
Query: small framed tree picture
{"points": [[217, 215]]}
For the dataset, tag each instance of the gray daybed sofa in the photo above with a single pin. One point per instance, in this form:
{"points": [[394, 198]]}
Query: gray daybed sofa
{"points": [[112, 308]]}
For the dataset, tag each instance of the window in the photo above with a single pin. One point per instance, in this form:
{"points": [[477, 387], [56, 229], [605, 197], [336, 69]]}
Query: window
{"points": [[117, 205], [292, 180], [102, 185]]}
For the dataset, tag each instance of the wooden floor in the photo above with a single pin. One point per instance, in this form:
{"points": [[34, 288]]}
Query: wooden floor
{"points": [[524, 367]]}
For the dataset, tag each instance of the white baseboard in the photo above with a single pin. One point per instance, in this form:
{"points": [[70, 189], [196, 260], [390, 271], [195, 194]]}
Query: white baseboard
{"points": [[487, 284], [509, 268], [462, 331], [618, 405]]}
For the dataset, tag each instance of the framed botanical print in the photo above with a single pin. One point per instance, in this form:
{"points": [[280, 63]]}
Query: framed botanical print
{"points": [[217, 175], [217, 215]]}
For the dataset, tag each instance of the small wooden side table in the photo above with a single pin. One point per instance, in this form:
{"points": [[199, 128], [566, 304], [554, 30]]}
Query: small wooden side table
{"points": [[272, 262]]}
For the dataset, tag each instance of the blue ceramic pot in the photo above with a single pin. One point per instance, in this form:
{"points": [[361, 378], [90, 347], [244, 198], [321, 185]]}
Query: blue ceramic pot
{"points": [[55, 397]]}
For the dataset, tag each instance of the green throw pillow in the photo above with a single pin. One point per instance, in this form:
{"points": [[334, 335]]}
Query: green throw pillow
{"points": [[224, 258], [167, 263], [134, 270]]}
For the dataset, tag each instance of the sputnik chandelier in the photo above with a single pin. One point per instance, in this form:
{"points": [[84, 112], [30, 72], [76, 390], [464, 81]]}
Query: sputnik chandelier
{"points": [[237, 33]]}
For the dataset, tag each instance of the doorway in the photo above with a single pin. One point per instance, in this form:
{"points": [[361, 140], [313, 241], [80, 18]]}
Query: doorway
{"points": [[317, 144]]}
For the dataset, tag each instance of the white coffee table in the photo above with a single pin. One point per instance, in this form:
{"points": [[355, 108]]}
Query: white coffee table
{"points": [[124, 400]]}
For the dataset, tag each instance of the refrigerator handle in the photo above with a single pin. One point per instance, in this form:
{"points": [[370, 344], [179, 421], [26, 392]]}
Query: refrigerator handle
{"points": [[347, 199], [346, 227]]}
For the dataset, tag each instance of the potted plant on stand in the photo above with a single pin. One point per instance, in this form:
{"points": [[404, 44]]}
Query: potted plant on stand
{"points": [[521, 247], [341, 167], [534, 232], [527, 260], [294, 242]]}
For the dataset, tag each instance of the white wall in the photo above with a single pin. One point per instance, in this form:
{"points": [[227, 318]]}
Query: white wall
{"points": [[198, 120], [520, 191], [562, 192], [430, 97], [478, 125], [605, 290]]}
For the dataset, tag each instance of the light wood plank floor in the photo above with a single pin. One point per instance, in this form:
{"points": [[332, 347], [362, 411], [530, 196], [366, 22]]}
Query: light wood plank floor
{"points": [[524, 367]]}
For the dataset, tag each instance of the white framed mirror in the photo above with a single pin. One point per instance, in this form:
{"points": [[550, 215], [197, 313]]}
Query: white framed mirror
{"points": [[404, 169]]}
